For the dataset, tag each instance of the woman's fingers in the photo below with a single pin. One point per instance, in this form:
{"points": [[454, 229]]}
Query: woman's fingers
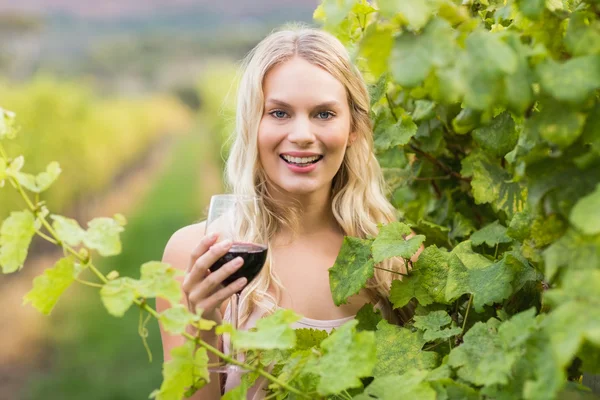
{"points": [[220, 295], [200, 249], [199, 270]]}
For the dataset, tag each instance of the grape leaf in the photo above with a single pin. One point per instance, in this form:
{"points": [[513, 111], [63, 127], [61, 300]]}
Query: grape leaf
{"points": [[414, 13], [492, 184], [353, 267], [432, 323], [118, 295], [68, 230], [414, 56], [426, 282], [355, 351], [7, 123], [307, 338], [16, 234], [434, 233], [176, 318], [591, 130], [482, 359], [42, 181], [583, 34], [499, 136], [411, 385], [375, 48], [399, 350], [573, 80], [585, 215], [389, 133], [519, 227], [158, 280], [472, 273], [103, 235], [272, 332], [557, 123], [48, 287], [578, 252], [368, 318], [491, 235], [186, 366], [332, 12], [2, 171], [390, 242]]}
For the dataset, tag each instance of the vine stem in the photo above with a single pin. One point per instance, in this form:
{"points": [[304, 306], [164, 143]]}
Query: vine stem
{"points": [[389, 270], [467, 313], [437, 162], [87, 283], [142, 303]]}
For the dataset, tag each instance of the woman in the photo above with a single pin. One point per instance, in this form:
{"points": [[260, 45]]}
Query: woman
{"points": [[303, 144]]}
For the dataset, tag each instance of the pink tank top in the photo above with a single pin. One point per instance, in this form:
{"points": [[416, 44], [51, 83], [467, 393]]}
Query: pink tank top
{"points": [[257, 391]]}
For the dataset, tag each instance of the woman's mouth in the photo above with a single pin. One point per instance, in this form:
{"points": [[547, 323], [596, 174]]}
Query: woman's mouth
{"points": [[301, 161]]}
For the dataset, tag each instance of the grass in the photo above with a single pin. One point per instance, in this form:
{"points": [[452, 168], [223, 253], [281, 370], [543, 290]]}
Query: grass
{"points": [[99, 357]]}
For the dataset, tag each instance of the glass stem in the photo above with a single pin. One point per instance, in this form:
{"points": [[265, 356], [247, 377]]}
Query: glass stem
{"points": [[235, 302]]}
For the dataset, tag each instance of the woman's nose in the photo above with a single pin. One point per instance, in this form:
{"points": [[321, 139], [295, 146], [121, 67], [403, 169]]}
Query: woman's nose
{"points": [[301, 132]]}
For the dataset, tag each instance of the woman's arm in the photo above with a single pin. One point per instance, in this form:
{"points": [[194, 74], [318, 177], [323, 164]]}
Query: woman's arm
{"points": [[177, 254]]}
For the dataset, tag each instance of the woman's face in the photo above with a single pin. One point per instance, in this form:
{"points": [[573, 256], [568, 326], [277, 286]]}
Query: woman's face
{"points": [[305, 127]]}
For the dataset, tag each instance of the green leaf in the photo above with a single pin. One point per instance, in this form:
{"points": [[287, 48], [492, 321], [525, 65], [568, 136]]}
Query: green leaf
{"points": [[557, 123], [591, 130], [499, 136], [186, 366], [351, 270], [368, 318], [158, 280], [482, 359], [578, 252], [414, 56], [389, 133], [532, 8], [472, 273], [414, 13], [239, 392], [307, 338], [585, 215], [118, 295], [176, 319], [272, 332], [332, 12], [399, 350], [411, 385], [48, 287], [572, 81], [7, 123], [426, 282], [351, 350], [491, 235], [492, 184], [375, 48], [519, 227], [434, 233], [103, 235], [431, 324], [583, 34], [68, 230], [40, 182], [390, 242], [16, 234]]}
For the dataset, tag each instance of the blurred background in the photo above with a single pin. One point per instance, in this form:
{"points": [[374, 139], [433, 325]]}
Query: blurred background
{"points": [[134, 99]]}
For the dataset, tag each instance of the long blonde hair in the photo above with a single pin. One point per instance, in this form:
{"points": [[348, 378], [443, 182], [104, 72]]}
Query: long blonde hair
{"points": [[358, 201]]}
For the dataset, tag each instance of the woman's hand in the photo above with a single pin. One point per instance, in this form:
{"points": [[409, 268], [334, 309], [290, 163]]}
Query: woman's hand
{"points": [[203, 288]]}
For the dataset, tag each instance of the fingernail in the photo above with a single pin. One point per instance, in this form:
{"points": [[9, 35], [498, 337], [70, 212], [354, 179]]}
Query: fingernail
{"points": [[238, 261], [242, 282], [225, 243]]}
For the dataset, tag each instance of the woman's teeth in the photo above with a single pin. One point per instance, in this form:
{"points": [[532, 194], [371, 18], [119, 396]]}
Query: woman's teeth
{"points": [[300, 160]]}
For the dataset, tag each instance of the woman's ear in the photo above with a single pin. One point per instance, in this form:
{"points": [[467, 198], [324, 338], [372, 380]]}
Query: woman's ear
{"points": [[351, 138]]}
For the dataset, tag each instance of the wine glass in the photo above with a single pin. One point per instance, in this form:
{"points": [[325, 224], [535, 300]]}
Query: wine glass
{"points": [[238, 218]]}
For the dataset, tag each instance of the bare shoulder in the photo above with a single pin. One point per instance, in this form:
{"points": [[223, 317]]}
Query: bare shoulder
{"points": [[181, 243]]}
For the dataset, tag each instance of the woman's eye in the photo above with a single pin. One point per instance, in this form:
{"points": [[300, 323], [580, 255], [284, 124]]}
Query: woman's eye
{"points": [[325, 115], [278, 114]]}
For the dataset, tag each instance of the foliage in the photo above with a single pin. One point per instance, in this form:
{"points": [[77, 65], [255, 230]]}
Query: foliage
{"points": [[486, 125]]}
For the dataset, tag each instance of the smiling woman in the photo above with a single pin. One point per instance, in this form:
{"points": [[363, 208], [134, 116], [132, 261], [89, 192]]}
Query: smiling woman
{"points": [[303, 144]]}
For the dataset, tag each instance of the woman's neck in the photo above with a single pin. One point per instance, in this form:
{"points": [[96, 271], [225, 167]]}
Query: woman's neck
{"points": [[316, 216]]}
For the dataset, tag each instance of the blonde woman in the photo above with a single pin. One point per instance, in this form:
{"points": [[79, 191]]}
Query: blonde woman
{"points": [[304, 145]]}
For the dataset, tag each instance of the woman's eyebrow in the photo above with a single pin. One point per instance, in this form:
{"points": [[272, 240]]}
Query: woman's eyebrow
{"points": [[332, 103]]}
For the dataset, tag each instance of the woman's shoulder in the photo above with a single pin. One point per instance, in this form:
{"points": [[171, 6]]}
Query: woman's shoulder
{"points": [[182, 242]]}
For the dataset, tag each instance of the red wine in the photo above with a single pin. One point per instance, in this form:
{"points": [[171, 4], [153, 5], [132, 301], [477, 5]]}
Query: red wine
{"points": [[254, 256]]}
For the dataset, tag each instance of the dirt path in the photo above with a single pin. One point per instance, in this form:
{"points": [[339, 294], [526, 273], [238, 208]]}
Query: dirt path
{"points": [[23, 338]]}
